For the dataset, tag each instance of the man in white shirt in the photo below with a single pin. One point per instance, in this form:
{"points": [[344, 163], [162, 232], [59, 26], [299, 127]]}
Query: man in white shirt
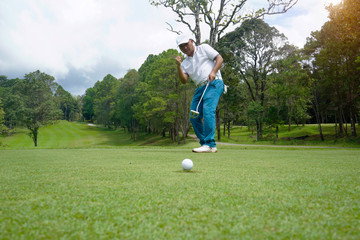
{"points": [[202, 64]]}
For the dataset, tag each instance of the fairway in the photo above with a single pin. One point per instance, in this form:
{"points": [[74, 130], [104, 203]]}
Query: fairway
{"points": [[142, 193]]}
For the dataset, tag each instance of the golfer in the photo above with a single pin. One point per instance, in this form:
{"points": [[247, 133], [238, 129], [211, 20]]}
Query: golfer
{"points": [[202, 64]]}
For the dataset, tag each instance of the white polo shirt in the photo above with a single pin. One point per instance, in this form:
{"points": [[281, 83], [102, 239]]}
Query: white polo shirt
{"points": [[199, 66]]}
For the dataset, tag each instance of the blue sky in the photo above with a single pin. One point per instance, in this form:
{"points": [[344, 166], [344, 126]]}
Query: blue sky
{"points": [[79, 42]]}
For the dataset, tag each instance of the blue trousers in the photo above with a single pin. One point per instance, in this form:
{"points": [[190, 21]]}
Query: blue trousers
{"points": [[204, 124]]}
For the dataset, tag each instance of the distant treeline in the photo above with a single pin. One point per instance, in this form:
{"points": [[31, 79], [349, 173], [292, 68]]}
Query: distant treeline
{"points": [[271, 83]]}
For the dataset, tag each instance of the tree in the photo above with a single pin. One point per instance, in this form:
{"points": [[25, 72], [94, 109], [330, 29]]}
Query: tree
{"points": [[251, 51], [345, 19], [289, 86], [39, 108], [88, 104], [126, 98], [333, 53], [2, 121], [105, 99], [218, 15], [68, 104], [163, 103], [12, 102], [233, 102]]}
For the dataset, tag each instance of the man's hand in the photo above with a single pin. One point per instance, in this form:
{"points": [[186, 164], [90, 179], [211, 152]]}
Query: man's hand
{"points": [[218, 63], [211, 76], [182, 76], [178, 60]]}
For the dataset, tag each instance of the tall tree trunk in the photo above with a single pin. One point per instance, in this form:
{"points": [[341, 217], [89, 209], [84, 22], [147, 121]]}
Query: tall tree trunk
{"points": [[341, 122], [258, 133], [224, 129], [352, 120], [346, 125], [34, 135], [261, 126], [185, 118], [336, 127], [217, 115], [277, 118], [228, 128], [317, 115], [289, 118]]}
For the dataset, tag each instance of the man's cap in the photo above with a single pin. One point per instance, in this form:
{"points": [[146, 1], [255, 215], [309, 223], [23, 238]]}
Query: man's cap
{"points": [[183, 39]]}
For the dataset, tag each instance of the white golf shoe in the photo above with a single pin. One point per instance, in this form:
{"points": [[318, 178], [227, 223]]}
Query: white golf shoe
{"points": [[205, 149]]}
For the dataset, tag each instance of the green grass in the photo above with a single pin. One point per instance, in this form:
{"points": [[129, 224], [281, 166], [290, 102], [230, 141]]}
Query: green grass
{"points": [[80, 135], [142, 193], [86, 182], [67, 135], [76, 135], [242, 135]]}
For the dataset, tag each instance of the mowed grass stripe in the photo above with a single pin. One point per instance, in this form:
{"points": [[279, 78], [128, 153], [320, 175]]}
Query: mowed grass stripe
{"points": [[56, 135]]}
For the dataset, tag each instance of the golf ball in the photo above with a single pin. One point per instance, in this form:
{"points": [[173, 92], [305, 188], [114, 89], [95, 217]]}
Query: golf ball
{"points": [[187, 164]]}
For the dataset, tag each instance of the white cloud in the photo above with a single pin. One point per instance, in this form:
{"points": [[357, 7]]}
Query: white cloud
{"points": [[79, 42], [62, 36]]}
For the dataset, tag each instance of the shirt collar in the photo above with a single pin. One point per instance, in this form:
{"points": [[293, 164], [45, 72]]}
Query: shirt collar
{"points": [[195, 50]]}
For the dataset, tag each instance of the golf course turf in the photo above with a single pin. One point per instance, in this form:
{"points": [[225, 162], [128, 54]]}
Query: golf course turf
{"points": [[143, 193]]}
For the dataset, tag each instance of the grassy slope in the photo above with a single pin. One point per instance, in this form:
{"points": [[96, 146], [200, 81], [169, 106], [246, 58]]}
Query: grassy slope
{"points": [[80, 135], [244, 135], [142, 193], [73, 135]]}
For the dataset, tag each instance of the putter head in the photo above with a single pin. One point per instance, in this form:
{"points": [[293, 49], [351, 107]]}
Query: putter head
{"points": [[194, 114]]}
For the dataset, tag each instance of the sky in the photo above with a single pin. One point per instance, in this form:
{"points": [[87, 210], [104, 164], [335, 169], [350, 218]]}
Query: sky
{"points": [[79, 42]]}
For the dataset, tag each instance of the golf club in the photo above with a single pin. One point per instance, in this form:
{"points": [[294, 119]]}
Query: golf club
{"points": [[195, 113]]}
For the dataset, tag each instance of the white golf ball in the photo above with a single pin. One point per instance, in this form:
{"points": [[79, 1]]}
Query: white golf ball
{"points": [[187, 164]]}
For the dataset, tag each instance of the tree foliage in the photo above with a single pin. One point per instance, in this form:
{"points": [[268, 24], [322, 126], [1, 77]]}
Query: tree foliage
{"points": [[36, 101], [2, 119], [38, 105], [163, 99], [289, 88], [104, 99], [251, 50], [88, 104], [333, 52], [69, 105], [125, 99]]}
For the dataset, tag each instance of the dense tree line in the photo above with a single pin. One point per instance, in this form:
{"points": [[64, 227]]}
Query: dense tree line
{"points": [[148, 100], [271, 83]]}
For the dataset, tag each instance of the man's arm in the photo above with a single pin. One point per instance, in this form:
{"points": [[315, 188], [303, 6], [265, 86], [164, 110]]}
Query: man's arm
{"points": [[182, 76], [218, 63]]}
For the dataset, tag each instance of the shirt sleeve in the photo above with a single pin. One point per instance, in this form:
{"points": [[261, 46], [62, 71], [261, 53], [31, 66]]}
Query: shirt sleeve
{"points": [[210, 52], [184, 65], [183, 69]]}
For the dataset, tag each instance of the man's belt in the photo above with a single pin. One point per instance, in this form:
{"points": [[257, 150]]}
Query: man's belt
{"points": [[201, 84]]}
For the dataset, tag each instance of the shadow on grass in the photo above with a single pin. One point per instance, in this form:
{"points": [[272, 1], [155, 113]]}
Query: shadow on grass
{"points": [[186, 171]]}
